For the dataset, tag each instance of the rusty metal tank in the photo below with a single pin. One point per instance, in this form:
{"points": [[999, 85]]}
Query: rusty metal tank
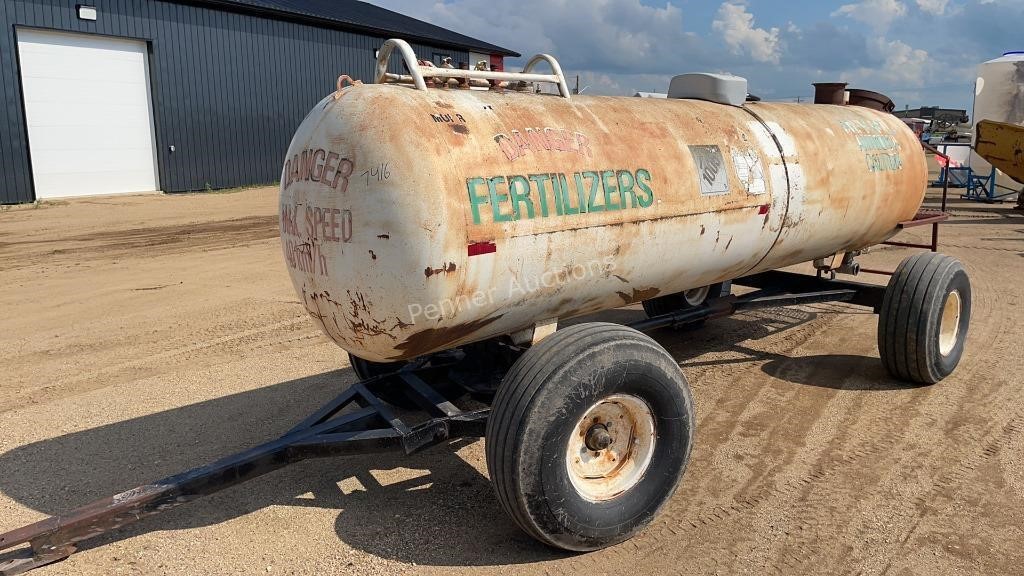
{"points": [[415, 219]]}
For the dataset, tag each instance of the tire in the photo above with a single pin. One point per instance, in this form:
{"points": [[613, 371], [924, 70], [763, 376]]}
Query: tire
{"points": [[365, 369], [685, 300], [544, 414], [925, 314]]}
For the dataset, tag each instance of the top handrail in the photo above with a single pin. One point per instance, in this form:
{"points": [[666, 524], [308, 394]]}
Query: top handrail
{"points": [[418, 72]]}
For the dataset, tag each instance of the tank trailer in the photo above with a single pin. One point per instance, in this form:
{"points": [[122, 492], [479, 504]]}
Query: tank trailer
{"points": [[439, 225]]}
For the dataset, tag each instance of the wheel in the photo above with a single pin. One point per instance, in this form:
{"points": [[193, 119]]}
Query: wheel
{"points": [[686, 300], [589, 435], [366, 369], [924, 318]]}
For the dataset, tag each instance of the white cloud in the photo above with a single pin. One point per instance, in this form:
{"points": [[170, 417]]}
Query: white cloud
{"points": [[879, 14], [937, 7], [597, 83], [624, 46], [902, 65], [737, 28], [611, 35]]}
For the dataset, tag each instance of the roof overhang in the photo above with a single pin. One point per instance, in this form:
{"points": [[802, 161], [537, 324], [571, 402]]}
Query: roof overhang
{"points": [[326, 22]]}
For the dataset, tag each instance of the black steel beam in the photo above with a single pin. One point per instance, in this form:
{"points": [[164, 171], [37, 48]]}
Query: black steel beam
{"points": [[778, 300], [780, 282], [426, 397]]}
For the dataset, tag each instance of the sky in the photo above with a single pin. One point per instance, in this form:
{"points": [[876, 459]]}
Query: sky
{"points": [[918, 52]]}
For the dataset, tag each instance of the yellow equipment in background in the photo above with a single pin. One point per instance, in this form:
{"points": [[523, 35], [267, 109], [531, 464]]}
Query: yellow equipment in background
{"points": [[1002, 145]]}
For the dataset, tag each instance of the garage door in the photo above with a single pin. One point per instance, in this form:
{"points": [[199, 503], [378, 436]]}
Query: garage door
{"points": [[87, 105]]}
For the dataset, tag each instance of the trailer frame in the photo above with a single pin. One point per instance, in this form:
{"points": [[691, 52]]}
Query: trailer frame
{"points": [[358, 421]]}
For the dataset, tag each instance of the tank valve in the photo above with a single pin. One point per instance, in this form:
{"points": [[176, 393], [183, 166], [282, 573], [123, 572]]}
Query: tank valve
{"points": [[847, 264]]}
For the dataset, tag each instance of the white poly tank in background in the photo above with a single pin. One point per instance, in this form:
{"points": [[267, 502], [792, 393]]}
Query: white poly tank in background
{"points": [[999, 96]]}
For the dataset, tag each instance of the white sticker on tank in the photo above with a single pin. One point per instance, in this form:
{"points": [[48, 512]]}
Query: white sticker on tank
{"points": [[711, 171], [785, 140], [764, 138], [749, 170]]}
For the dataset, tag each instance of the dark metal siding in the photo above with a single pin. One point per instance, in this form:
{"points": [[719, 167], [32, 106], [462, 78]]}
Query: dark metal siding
{"points": [[228, 89]]}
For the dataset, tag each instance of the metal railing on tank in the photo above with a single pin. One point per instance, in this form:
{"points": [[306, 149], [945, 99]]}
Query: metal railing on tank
{"points": [[418, 73]]}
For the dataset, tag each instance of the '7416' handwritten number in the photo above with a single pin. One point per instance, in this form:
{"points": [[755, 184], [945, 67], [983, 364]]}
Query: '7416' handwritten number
{"points": [[378, 173]]}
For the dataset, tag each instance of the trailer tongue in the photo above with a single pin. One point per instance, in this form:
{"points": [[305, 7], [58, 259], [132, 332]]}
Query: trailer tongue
{"points": [[356, 422]]}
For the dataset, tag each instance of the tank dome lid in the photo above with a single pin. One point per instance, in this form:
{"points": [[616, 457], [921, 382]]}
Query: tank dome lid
{"points": [[720, 88], [1011, 56]]}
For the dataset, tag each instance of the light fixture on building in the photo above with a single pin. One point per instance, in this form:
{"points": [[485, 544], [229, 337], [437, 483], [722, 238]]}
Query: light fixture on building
{"points": [[86, 12]]}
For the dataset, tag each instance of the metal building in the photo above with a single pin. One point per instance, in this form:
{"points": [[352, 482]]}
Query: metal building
{"points": [[111, 96]]}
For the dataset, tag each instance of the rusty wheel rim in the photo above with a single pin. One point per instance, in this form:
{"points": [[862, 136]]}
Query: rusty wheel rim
{"points": [[611, 447], [949, 325], [696, 296]]}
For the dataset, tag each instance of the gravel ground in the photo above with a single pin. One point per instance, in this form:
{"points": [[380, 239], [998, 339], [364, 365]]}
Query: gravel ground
{"points": [[141, 336]]}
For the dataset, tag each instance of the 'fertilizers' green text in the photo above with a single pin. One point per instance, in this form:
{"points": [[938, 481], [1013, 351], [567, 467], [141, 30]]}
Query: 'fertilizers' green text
{"points": [[542, 195]]}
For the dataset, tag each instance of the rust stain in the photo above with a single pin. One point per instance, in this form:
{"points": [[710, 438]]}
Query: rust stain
{"points": [[358, 319], [438, 338], [790, 222], [446, 269], [360, 326], [460, 128], [638, 295]]}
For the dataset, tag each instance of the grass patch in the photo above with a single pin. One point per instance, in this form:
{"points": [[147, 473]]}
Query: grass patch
{"points": [[38, 204], [210, 190]]}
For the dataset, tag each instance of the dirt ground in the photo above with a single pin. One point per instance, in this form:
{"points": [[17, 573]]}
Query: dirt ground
{"points": [[141, 336]]}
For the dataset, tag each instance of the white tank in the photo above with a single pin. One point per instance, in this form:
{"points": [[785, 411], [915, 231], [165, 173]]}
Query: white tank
{"points": [[999, 96], [417, 219]]}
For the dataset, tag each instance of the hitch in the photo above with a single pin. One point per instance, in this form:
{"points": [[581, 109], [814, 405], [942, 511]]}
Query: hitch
{"points": [[370, 426]]}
